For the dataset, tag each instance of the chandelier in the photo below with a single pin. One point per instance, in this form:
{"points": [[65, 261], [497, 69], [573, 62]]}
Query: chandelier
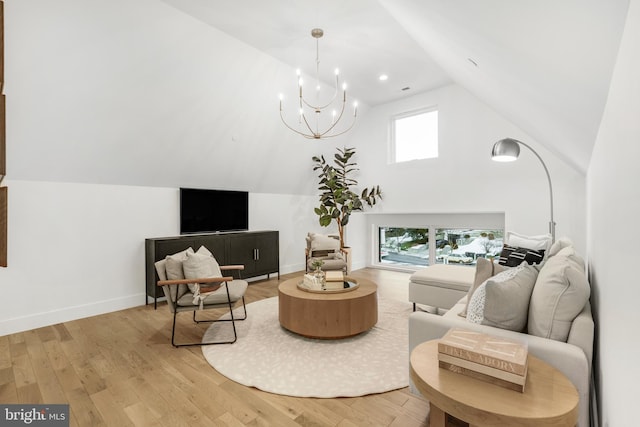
{"points": [[313, 123]]}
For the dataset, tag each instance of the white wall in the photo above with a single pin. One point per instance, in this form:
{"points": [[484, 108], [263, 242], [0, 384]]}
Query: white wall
{"points": [[77, 250], [463, 178], [614, 211], [139, 93]]}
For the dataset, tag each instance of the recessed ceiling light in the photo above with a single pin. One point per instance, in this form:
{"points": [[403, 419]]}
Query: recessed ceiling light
{"points": [[383, 77], [406, 88], [475, 64]]}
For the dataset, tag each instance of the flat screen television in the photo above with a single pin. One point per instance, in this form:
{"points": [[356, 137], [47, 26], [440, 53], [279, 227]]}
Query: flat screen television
{"points": [[209, 211]]}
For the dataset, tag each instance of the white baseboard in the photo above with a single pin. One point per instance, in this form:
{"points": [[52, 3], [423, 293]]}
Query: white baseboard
{"points": [[39, 320]]}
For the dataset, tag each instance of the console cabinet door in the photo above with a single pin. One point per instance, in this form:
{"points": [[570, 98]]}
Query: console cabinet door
{"points": [[258, 252], [267, 253], [242, 251]]}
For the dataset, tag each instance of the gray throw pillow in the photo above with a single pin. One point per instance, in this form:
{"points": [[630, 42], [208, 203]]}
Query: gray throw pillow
{"points": [[484, 270], [502, 301]]}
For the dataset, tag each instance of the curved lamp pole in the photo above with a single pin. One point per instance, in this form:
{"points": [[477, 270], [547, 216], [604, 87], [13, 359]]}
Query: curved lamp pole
{"points": [[508, 150]]}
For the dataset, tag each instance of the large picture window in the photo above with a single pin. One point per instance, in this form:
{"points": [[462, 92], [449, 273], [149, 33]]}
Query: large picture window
{"points": [[410, 247], [414, 136]]}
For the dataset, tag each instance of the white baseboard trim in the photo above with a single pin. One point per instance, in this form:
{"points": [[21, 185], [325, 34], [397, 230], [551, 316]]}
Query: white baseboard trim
{"points": [[39, 320]]}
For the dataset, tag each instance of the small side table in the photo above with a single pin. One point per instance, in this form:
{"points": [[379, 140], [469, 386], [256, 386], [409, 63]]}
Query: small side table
{"points": [[549, 397]]}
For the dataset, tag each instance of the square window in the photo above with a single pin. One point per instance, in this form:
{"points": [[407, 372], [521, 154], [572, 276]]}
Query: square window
{"points": [[415, 136]]}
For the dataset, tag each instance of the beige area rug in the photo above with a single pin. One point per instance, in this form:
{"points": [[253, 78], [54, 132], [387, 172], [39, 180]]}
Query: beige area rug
{"points": [[270, 358]]}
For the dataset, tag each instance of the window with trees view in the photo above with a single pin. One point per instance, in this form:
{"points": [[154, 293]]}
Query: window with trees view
{"points": [[411, 246]]}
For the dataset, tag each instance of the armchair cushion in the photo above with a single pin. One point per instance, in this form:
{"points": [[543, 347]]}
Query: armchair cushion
{"points": [[237, 289]]}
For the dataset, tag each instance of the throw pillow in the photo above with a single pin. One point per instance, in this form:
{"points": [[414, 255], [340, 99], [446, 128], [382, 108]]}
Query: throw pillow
{"points": [[174, 264], [541, 242], [513, 256], [200, 265], [320, 242], [173, 271], [503, 300], [484, 270], [559, 245], [560, 294]]}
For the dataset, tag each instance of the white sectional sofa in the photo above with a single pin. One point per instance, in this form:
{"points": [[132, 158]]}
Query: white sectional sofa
{"points": [[440, 286], [555, 331]]}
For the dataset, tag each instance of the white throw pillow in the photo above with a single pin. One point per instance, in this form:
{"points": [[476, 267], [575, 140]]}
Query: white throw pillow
{"points": [[559, 245], [200, 265], [173, 271], [173, 264], [560, 294], [322, 242], [540, 242]]}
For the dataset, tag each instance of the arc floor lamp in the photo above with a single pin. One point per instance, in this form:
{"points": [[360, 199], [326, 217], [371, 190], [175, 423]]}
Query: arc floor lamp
{"points": [[508, 150]]}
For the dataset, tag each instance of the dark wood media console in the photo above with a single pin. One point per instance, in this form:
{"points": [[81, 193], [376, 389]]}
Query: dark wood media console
{"points": [[258, 251]]}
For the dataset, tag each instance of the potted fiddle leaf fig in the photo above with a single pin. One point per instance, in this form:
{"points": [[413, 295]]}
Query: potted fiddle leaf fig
{"points": [[338, 197]]}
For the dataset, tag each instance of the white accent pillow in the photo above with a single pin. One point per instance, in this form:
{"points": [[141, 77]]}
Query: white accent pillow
{"points": [[322, 242], [559, 245], [540, 242], [560, 294], [502, 301], [173, 266], [200, 265]]}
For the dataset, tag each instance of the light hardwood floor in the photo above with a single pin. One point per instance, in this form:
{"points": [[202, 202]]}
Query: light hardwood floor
{"points": [[119, 369]]}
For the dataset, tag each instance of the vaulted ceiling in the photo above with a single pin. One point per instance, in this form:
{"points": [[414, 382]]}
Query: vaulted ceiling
{"points": [[543, 64]]}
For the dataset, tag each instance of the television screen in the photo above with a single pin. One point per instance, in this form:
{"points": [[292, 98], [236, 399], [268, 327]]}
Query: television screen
{"points": [[207, 211]]}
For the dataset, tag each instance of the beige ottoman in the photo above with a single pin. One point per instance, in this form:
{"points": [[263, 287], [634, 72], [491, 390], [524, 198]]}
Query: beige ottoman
{"points": [[440, 286]]}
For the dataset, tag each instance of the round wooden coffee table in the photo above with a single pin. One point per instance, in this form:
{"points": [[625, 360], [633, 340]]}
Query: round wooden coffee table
{"points": [[328, 315], [549, 397]]}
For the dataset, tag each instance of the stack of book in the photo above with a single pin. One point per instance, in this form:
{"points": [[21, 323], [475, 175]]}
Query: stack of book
{"points": [[489, 358]]}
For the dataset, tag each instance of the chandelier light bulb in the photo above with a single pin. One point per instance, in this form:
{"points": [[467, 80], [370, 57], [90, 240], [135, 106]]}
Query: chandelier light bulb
{"points": [[298, 72], [337, 71]]}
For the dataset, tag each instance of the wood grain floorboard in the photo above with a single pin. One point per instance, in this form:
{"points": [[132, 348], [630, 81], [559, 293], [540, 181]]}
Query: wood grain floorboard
{"points": [[119, 369]]}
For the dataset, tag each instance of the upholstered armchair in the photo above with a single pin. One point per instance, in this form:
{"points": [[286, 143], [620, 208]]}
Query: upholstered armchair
{"points": [[193, 281], [325, 248]]}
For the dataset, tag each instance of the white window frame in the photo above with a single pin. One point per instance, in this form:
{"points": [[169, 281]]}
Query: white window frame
{"points": [[432, 221], [392, 134]]}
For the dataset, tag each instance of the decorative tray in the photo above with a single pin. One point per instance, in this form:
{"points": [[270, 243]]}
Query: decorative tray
{"points": [[347, 285]]}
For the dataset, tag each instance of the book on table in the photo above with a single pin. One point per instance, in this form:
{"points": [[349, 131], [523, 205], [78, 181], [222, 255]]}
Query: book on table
{"points": [[474, 353], [334, 276]]}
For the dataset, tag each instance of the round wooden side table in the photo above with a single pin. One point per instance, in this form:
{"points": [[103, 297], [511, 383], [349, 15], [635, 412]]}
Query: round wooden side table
{"points": [[549, 398], [328, 315]]}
